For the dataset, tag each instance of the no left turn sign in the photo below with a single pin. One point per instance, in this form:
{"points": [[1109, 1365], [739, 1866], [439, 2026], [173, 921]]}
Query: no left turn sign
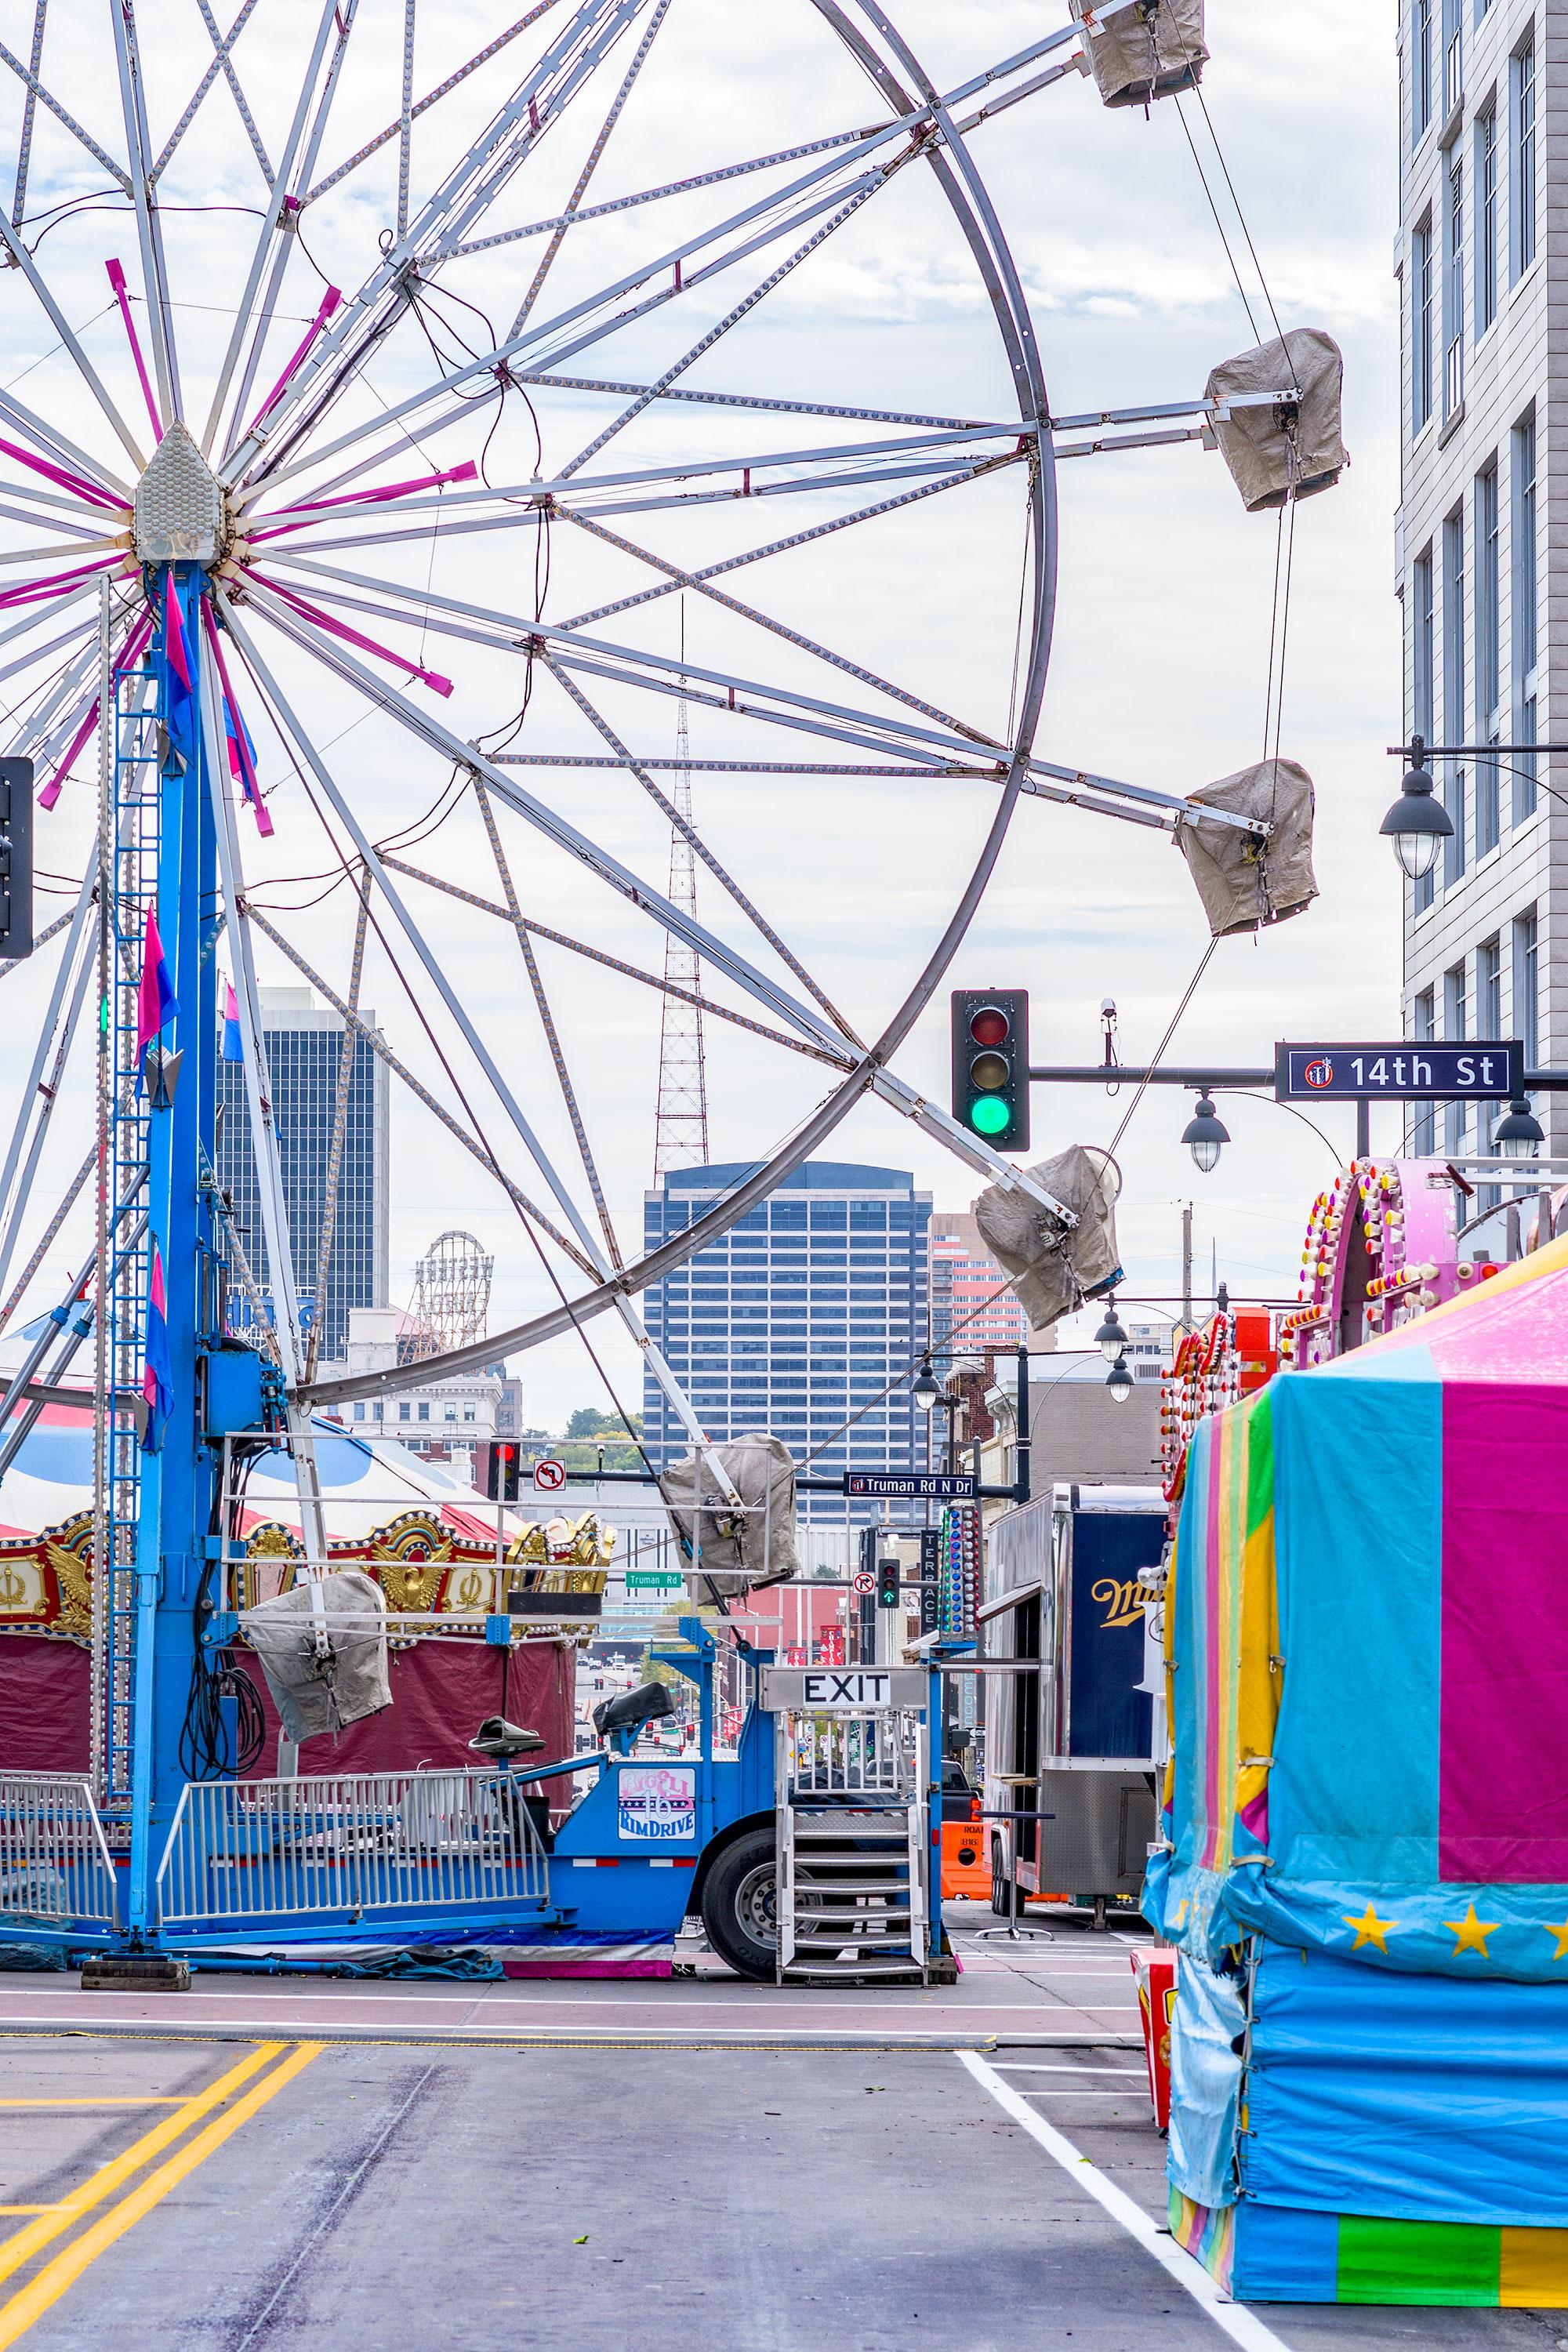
{"points": [[548, 1476]]}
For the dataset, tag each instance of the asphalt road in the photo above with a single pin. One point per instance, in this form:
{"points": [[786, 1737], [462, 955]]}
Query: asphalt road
{"points": [[449, 2198]]}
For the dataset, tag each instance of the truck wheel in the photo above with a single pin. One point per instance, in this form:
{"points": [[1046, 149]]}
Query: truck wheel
{"points": [[1001, 1892], [740, 1905]]}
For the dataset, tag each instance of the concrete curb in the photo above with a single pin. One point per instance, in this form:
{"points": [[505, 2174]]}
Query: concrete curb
{"points": [[273, 2029]]}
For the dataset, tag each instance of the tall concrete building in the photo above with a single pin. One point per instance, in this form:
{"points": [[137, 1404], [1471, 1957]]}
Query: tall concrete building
{"points": [[1482, 258], [302, 1042], [799, 1317], [967, 1317]]}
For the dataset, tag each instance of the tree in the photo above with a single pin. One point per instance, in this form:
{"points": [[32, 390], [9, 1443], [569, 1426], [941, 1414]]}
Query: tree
{"points": [[595, 1420]]}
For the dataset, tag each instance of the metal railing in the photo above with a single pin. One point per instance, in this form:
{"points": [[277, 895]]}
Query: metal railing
{"points": [[351, 1846], [849, 1755], [54, 1868]]}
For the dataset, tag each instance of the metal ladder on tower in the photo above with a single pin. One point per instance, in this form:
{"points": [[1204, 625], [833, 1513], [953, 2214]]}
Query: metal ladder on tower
{"points": [[854, 1881], [133, 823]]}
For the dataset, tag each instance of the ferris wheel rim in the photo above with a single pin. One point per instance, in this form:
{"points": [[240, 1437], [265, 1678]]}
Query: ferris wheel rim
{"points": [[964, 192]]}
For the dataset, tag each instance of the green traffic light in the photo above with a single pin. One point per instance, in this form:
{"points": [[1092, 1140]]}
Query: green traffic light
{"points": [[990, 1116]]}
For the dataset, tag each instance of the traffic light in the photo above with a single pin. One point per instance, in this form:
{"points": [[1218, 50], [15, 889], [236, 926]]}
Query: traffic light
{"points": [[888, 1593], [15, 859], [503, 1473], [991, 1065]]}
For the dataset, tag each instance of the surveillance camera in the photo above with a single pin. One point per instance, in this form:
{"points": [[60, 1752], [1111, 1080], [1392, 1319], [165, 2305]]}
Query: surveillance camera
{"points": [[1107, 1009]]}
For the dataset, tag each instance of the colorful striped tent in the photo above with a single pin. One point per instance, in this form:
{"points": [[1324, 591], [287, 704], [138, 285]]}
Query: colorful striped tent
{"points": [[1367, 1816]]}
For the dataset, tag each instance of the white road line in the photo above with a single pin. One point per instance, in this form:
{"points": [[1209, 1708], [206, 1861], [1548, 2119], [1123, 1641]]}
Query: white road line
{"points": [[1241, 2325], [1010, 2066]]}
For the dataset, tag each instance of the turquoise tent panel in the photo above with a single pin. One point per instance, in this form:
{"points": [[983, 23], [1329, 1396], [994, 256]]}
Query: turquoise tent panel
{"points": [[1358, 1544], [1417, 2097]]}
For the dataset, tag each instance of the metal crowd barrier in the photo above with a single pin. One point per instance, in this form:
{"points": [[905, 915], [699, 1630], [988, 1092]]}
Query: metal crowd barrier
{"points": [[55, 1866], [352, 1846]]}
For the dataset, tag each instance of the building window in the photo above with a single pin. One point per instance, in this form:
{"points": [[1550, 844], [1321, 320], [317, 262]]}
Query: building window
{"points": [[469, 1412], [1453, 58], [1454, 287], [1522, 192], [1526, 987], [1422, 665], [1489, 658], [375, 1412], [1454, 647], [404, 1411], [1421, 327], [1486, 221], [451, 1413], [1421, 77], [424, 1413], [1456, 1028], [359, 1408], [1423, 1125], [1525, 596]]}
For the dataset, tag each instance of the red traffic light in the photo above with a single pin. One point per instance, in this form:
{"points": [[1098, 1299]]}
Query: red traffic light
{"points": [[990, 1026]]}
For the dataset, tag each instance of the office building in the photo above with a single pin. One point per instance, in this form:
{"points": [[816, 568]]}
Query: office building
{"points": [[1484, 343], [302, 1042], [964, 1282], [798, 1318]]}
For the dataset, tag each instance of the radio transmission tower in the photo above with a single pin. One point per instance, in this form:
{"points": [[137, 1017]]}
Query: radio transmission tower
{"points": [[681, 1134]]}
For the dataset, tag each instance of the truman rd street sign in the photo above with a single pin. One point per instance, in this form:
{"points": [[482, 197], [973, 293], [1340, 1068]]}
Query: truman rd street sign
{"points": [[912, 1486], [1487, 1070]]}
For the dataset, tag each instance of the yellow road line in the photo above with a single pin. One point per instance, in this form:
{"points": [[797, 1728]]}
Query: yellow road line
{"points": [[26, 2244], [30, 2302]]}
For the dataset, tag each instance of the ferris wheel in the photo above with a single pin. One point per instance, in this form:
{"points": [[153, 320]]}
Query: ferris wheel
{"points": [[396, 378]]}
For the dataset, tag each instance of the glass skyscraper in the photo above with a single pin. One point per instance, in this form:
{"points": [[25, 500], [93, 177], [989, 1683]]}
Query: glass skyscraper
{"points": [[799, 1316], [302, 1042]]}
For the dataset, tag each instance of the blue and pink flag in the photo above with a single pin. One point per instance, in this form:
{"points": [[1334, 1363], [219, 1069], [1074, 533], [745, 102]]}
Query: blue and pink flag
{"points": [[180, 715], [232, 1046], [156, 1003], [158, 1377], [242, 761]]}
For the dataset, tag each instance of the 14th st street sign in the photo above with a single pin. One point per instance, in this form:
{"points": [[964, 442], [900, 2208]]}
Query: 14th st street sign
{"points": [[1488, 1070]]}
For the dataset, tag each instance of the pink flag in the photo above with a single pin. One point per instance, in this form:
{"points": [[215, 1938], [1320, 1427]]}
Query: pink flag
{"points": [[155, 1001]]}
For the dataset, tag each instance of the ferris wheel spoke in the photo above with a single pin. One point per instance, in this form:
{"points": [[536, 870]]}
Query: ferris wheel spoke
{"points": [[23, 260], [694, 840], [677, 579], [382, 138], [434, 968], [547, 1022], [661, 10], [29, 113], [375, 1041], [672, 265], [220, 61], [540, 102], [60, 455], [705, 1004], [306, 130], [39, 93], [149, 228], [36, 654], [756, 554], [554, 827], [575, 651]]}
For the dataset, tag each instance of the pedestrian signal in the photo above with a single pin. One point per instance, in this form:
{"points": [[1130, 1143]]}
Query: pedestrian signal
{"points": [[991, 1065]]}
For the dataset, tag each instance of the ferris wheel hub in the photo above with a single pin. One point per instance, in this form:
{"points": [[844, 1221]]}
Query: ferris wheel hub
{"points": [[181, 513]]}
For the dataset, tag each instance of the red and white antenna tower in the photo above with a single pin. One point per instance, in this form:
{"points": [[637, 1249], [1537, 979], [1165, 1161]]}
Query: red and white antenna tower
{"points": [[681, 1131]]}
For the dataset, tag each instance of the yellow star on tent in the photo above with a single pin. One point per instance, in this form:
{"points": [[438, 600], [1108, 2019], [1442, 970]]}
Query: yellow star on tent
{"points": [[1369, 1929], [1471, 1932], [1558, 1927], [1182, 1909]]}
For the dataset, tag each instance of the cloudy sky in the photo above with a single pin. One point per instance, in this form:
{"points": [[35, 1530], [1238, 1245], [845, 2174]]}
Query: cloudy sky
{"points": [[1160, 652]]}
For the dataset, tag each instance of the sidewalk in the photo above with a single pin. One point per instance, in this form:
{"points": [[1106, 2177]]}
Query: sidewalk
{"points": [[1074, 1991]]}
